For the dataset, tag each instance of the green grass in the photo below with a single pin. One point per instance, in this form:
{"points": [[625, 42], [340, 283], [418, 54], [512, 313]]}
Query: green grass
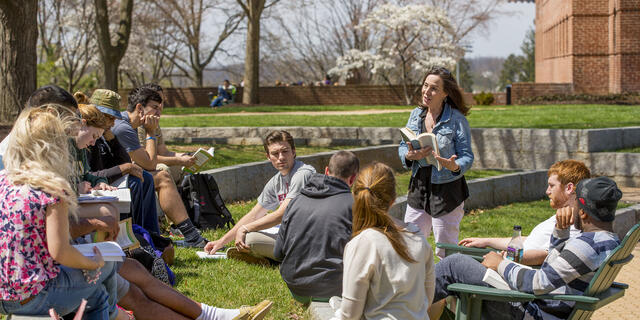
{"points": [[229, 155], [238, 109], [539, 116], [630, 150]]}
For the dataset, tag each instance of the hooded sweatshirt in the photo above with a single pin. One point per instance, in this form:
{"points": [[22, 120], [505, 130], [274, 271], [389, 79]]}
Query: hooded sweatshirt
{"points": [[315, 229]]}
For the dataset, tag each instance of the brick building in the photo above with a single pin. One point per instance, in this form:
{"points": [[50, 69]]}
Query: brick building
{"points": [[591, 45]]}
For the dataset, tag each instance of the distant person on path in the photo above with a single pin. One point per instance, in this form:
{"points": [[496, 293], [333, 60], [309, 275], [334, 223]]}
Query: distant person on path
{"points": [[315, 229], [253, 243], [388, 266], [436, 198], [226, 93], [561, 190]]}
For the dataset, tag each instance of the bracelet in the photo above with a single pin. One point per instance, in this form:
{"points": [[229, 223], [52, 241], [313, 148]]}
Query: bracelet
{"points": [[150, 138], [245, 228]]}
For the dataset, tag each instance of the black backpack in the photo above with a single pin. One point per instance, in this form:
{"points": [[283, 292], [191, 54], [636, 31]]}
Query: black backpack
{"points": [[203, 202]]}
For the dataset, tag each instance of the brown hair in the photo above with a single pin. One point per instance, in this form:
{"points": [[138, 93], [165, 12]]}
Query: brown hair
{"points": [[81, 97], [373, 192], [451, 88], [278, 136], [569, 171], [93, 116], [344, 164]]}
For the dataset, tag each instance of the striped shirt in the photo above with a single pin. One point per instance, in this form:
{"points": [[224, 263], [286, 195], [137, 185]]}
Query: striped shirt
{"points": [[568, 269]]}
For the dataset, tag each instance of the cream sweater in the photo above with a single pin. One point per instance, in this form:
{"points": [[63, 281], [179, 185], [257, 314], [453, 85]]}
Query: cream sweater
{"points": [[379, 284]]}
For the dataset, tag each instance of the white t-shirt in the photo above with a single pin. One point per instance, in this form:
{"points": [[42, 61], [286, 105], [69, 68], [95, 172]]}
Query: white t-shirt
{"points": [[379, 284], [540, 237], [282, 187]]}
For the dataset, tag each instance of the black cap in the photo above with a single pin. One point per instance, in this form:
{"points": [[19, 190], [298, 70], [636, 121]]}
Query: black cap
{"points": [[598, 197]]}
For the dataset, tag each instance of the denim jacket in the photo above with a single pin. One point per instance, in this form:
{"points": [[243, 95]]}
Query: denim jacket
{"points": [[454, 137]]}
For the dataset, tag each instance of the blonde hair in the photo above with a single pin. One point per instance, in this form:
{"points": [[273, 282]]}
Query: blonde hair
{"points": [[373, 192], [93, 116], [37, 154]]}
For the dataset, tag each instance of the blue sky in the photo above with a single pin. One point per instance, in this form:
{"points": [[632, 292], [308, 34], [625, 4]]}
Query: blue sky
{"points": [[505, 33]]}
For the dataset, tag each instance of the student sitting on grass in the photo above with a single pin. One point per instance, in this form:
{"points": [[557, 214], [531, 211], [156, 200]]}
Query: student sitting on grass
{"points": [[40, 269], [569, 267], [561, 190], [253, 243], [388, 266]]}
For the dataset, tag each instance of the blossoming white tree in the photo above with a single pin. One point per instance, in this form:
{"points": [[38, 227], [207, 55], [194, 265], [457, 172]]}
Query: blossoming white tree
{"points": [[408, 41]]}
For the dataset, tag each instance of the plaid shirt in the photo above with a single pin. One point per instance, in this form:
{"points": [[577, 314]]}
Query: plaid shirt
{"points": [[568, 269]]}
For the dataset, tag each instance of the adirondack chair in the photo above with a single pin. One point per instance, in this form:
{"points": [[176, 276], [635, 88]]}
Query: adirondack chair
{"points": [[476, 253], [601, 291]]}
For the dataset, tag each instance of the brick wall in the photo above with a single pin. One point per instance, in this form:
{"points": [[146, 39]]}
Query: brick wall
{"points": [[522, 90], [593, 44], [332, 95]]}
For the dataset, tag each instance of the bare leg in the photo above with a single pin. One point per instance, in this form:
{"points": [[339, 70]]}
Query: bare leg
{"points": [[157, 291], [169, 197], [146, 309], [91, 210]]}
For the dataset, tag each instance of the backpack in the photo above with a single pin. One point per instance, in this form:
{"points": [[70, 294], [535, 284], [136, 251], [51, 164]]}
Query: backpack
{"points": [[201, 198]]}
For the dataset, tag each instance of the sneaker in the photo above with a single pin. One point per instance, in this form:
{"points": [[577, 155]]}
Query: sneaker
{"points": [[256, 312], [234, 253], [191, 244]]}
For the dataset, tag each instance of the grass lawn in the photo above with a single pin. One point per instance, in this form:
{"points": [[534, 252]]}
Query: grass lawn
{"points": [[538, 116], [238, 109]]}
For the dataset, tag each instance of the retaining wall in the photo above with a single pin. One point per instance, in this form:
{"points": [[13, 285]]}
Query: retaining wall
{"points": [[493, 148]]}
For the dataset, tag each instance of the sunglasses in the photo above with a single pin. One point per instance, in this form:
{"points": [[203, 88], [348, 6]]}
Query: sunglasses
{"points": [[439, 70]]}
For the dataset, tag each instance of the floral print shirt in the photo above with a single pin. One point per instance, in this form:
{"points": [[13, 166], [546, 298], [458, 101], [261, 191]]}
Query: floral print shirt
{"points": [[25, 262]]}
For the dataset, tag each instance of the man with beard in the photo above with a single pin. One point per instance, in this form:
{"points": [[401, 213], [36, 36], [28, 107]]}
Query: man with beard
{"points": [[563, 179], [568, 269]]}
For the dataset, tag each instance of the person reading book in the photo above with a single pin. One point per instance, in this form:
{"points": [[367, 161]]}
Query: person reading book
{"points": [[142, 109], [168, 160], [569, 267], [436, 197], [40, 269], [563, 177], [253, 243]]}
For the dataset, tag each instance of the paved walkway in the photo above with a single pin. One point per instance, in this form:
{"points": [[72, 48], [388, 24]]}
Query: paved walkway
{"points": [[627, 307]]}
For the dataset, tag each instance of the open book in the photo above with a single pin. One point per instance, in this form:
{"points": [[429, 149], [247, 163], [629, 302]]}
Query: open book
{"points": [[217, 255], [420, 141], [494, 279], [202, 157], [120, 198], [110, 250], [126, 239]]}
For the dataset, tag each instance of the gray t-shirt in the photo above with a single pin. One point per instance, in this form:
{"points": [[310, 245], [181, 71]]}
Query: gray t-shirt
{"points": [[282, 187], [126, 135]]}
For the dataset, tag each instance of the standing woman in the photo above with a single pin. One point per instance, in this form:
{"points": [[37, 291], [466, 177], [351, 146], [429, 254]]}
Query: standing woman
{"points": [[388, 267], [436, 198]]}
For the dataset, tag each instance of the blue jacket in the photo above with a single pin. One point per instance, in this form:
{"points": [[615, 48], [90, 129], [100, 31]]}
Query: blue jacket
{"points": [[454, 137]]}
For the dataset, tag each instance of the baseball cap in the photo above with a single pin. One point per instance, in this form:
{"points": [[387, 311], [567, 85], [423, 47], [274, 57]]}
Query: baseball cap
{"points": [[107, 102], [598, 197]]}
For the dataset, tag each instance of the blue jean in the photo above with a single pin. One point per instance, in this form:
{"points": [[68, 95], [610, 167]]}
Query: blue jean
{"points": [[65, 292], [143, 202], [459, 268], [217, 102]]}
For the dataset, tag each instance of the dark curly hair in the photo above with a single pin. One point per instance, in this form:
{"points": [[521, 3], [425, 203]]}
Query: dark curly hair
{"points": [[451, 88]]}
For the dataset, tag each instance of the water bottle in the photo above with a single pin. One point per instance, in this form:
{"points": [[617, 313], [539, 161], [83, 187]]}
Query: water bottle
{"points": [[514, 248]]}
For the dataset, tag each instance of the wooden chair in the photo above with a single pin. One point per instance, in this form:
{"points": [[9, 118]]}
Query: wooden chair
{"points": [[601, 291]]}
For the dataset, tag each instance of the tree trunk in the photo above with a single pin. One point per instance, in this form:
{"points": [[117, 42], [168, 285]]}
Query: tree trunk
{"points": [[18, 56], [112, 54], [252, 56]]}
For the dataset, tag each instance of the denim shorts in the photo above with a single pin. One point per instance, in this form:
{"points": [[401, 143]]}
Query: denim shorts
{"points": [[65, 292]]}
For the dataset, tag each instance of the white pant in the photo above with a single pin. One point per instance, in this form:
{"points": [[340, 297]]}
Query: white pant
{"points": [[446, 228]]}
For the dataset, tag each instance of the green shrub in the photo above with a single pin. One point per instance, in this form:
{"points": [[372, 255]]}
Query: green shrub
{"points": [[484, 98]]}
